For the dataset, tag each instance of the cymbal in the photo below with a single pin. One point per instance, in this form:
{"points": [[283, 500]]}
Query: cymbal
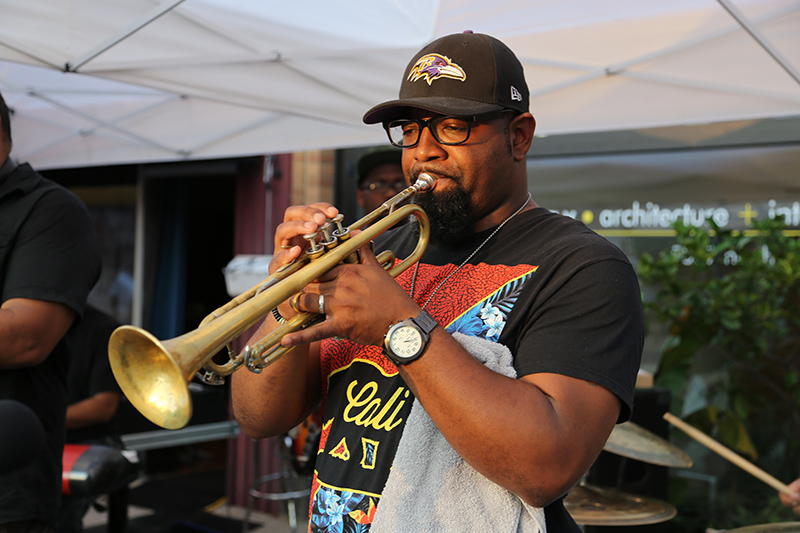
{"points": [[633, 441], [785, 527], [595, 506]]}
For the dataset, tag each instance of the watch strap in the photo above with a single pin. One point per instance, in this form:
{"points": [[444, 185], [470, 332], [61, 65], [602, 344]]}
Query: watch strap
{"points": [[426, 322]]}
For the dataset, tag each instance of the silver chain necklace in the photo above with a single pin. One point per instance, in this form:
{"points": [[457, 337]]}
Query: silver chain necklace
{"points": [[451, 274]]}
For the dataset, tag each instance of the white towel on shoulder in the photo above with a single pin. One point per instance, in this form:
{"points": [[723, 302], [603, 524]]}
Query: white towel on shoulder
{"points": [[432, 489]]}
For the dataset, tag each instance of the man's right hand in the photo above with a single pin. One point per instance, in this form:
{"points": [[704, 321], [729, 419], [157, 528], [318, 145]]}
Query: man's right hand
{"points": [[298, 220], [792, 500]]}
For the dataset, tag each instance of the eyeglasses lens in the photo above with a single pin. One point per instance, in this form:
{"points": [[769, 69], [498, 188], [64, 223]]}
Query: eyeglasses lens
{"points": [[446, 130], [381, 186]]}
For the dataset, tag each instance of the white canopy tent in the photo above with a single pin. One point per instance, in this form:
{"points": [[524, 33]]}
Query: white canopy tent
{"points": [[124, 81]]}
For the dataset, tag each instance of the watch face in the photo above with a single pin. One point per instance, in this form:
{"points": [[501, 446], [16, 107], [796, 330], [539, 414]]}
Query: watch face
{"points": [[405, 342]]}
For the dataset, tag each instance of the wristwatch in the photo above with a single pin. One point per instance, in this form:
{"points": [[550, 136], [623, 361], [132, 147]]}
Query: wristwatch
{"points": [[406, 340]]}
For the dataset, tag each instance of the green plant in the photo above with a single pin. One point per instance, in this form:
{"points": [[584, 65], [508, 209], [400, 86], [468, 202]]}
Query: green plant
{"points": [[731, 303]]}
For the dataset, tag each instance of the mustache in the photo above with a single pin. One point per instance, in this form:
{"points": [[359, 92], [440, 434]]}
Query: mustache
{"points": [[429, 169]]}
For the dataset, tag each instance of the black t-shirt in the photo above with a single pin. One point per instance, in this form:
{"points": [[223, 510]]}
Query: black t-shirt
{"points": [[89, 369], [48, 251], [561, 298]]}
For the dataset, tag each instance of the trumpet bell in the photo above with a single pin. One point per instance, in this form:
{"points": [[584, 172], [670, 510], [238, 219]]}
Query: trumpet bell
{"points": [[150, 376]]}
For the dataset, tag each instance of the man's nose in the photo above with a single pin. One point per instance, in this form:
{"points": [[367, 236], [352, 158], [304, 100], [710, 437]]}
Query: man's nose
{"points": [[428, 147]]}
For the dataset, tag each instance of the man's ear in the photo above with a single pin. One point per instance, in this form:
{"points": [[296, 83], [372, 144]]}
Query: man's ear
{"points": [[521, 131]]}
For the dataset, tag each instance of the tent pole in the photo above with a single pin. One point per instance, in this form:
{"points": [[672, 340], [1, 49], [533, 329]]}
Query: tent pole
{"points": [[110, 125], [115, 39], [760, 39]]}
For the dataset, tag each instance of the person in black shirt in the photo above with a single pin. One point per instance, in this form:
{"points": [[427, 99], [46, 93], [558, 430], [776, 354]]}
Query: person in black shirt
{"points": [[49, 261], [93, 395], [518, 334]]}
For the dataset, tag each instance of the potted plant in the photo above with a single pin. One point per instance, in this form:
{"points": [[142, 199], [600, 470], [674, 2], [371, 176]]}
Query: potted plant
{"points": [[730, 302]]}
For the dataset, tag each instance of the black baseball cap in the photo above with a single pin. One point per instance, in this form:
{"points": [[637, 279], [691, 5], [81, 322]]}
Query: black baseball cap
{"points": [[378, 156], [462, 74], [5, 119]]}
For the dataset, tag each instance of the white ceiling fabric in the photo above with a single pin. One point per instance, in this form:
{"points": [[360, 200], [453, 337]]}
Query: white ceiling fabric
{"points": [[196, 79]]}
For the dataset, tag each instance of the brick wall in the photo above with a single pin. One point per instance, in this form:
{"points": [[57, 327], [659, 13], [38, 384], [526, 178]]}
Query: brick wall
{"points": [[313, 176]]}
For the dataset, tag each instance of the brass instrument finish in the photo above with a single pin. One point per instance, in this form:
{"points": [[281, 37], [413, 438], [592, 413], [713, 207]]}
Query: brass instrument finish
{"points": [[154, 375]]}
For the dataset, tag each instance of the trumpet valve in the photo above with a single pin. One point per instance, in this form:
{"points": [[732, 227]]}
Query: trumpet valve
{"points": [[329, 240], [341, 233], [315, 250]]}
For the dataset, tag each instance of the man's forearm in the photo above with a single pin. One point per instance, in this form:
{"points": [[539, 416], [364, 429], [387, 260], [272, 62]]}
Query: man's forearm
{"points": [[96, 409], [30, 330], [281, 396]]}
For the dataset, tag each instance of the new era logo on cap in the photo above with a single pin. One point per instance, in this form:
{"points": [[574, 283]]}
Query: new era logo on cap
{"points": [[515, 94]]}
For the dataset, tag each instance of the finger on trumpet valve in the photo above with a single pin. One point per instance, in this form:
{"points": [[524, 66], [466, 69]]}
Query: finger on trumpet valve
{"points": [[328, 238], [314, 250]]}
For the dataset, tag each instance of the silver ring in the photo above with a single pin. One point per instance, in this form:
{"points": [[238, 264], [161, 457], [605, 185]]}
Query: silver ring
{"points": [[321, 304]]}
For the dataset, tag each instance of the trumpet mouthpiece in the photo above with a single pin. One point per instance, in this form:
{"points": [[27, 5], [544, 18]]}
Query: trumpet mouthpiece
{"points": [[425, 182]]}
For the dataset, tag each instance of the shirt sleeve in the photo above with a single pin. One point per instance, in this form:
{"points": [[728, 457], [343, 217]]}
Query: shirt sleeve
{"points": [[591, 328], [56, 257]]}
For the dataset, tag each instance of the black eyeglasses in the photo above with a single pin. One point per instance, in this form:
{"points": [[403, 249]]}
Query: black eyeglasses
{"points": [[381, 186], [448, 130]]}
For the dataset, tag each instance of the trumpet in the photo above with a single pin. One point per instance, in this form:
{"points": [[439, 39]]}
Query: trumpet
{"points": [[155, 375]]}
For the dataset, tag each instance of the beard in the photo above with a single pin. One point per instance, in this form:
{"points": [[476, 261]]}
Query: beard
{"points": [[450, 215]]}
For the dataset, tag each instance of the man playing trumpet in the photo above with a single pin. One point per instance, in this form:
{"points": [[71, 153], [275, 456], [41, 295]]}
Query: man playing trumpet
{"points": [[519, 332]]}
